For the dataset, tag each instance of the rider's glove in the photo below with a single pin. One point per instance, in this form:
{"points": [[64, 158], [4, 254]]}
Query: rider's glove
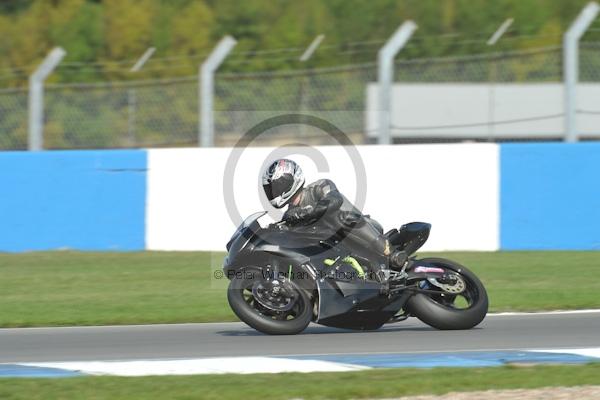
{"points": [[296, 214]]}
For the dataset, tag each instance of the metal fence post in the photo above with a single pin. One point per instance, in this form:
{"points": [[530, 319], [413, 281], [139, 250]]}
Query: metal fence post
{"points": [[132, 95], [35, 140], [306, 81], [206, 133], [385, 65], [571, 66], [494, 76], [311, 48]]}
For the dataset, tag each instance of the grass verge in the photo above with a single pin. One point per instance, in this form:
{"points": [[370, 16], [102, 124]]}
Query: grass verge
{"points": [[73, 288], [379, 383]]}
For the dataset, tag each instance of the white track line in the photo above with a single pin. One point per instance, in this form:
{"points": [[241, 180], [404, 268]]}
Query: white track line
{"points": [[593, 352], [535, 313], [183, 324], [191, 324], [216, 365], [238, 365], [572, 350]]}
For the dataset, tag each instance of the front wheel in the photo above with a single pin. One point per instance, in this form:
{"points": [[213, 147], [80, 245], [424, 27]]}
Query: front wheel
{"points": [[447, 307], [271, 306]]}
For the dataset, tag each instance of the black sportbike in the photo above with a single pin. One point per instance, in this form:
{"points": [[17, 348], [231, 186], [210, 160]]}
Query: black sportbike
{"points": [[283, 278]]}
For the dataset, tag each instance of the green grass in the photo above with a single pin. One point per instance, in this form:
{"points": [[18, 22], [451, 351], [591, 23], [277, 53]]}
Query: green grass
{"points": [[68, 288], [381, 383], [536, 280], [72, 288]]}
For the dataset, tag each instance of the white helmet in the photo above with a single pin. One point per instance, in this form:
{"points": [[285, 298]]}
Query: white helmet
{"points": [[281, 181]]}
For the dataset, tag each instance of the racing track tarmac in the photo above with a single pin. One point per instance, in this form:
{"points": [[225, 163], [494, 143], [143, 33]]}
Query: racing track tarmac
{"points": [[497, 332]]}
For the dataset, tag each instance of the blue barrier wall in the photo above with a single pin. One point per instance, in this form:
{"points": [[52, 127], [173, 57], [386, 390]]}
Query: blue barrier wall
{"points": [[87, 200], [550, 196]]}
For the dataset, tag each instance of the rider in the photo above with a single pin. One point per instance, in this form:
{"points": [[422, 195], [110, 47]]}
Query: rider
{"points": [[283, 182]]}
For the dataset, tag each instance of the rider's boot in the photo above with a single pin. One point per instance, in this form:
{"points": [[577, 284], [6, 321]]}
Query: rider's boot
{"points": [[394, 258], [383, 274], [398, 259], [383, 277]]}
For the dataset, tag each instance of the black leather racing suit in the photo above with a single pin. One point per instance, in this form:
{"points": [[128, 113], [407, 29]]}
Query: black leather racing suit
{"points": [[321, 203]]}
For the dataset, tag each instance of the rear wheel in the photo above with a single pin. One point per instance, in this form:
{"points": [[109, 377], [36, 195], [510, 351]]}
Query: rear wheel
{"points": [[461, 305], [271, 306]]}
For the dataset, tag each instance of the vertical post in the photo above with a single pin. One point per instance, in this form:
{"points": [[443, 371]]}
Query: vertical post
{"points": [[494, 76], [306, 81], [500, 31], [310, 50], [206, 90], [385, 64], [132, 95], [36, 98], [571, 66]]}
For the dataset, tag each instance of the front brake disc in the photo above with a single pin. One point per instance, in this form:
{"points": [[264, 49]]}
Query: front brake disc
{"points": [[271, 299]]}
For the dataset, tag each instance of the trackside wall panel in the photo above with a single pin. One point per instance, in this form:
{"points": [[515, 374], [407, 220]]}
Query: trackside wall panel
{"points": [[550, 196], [86, 200], [454, 187]]}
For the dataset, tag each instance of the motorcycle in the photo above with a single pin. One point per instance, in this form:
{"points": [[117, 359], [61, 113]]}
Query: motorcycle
{"points": [[283, 278]]}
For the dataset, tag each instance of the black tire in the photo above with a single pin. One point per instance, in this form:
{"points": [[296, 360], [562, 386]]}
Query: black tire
{"points": [[260, 321], [443, 317]]}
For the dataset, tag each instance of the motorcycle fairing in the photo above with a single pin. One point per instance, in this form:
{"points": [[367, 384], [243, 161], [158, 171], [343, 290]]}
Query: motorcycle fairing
{"points": [[355, 305]]}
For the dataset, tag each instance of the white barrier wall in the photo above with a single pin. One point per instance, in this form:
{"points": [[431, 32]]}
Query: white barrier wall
{"points": [[454, 187]]}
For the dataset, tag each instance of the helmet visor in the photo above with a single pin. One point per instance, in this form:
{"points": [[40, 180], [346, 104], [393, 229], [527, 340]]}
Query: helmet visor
{"points": [[279, 186], [268, 192]]}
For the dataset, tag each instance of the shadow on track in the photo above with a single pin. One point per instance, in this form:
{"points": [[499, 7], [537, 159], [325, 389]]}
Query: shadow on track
{"points": [[323, 330]]}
